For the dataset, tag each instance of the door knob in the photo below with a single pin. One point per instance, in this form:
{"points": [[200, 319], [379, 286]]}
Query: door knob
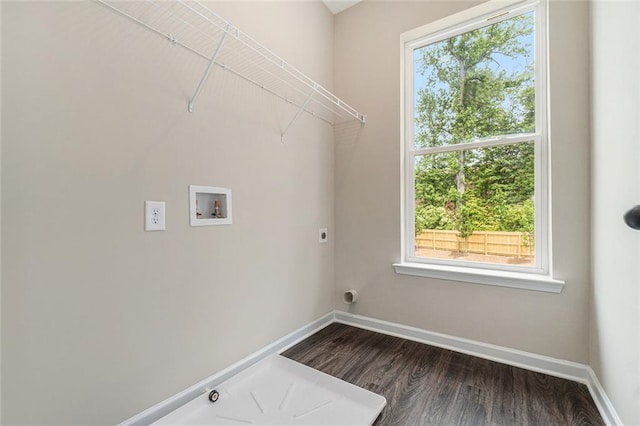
{"points": [[632, 217]]}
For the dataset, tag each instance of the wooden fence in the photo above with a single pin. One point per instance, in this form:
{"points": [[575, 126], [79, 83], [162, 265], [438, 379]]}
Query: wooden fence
{"points": [[513, 244]]}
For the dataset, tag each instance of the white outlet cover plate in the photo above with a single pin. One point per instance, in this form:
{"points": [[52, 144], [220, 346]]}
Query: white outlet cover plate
{"points": [[154, 215]]}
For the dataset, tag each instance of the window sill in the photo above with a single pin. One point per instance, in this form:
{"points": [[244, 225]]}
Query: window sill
{"points": [[481, 276]]}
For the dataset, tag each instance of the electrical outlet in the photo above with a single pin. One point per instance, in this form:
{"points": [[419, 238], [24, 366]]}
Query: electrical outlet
{"points": [[323, 236], [154, 216]]}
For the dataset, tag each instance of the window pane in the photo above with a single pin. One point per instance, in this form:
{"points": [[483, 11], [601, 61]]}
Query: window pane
{"points": [[476, 205], [476, 85]]}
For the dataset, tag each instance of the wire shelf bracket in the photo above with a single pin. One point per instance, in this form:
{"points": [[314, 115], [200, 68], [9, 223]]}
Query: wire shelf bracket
{"points": [[208, 70], [193, 26], [295, 117]]}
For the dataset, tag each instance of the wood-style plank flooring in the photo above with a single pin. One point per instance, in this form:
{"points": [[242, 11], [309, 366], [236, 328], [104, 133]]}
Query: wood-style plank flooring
{"points": [[426, 385]]}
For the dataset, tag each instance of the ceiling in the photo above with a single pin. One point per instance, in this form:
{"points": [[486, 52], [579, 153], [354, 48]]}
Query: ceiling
{"points": [[337, 6]]}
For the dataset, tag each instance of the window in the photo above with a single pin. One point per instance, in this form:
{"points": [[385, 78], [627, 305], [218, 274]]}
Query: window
{"points": [[475, 146]]}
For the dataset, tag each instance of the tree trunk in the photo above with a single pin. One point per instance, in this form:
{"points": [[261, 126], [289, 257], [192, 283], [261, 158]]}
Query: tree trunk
{"points": [[462, 75], [460, 173]]}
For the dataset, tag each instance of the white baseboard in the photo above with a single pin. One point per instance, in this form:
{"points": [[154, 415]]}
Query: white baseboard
{"points": [[542, 364], [581, 373], [554, 367], [163, 408], [608, 413]]}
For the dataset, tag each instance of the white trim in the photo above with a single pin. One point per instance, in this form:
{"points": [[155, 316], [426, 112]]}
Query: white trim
{"points": [[534, 362], [406, 227], [490, 12], [521, 280], [600, 398], [487, 143], [542, 159], [170, 404]]}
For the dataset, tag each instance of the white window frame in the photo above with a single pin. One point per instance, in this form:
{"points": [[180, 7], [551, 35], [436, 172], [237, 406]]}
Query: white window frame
{"points": [[539, 276]]}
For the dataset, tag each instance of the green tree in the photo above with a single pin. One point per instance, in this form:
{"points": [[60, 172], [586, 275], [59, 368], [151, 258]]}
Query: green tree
{"points": [[476, 85]]}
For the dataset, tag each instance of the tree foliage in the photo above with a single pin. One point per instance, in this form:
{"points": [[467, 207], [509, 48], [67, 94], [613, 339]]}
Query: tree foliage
{"points": [[476, 85]]}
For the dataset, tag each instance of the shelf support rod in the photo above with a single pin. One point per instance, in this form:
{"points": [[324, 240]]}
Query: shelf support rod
{"points": [[208, 70], [302, 107]]}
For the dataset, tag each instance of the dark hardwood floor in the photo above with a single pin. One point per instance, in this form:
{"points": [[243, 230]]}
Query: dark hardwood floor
{"points": [[426, 385]]}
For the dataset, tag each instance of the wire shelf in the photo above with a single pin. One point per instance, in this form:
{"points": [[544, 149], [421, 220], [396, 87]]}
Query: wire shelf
{"points": [[192, 25]]}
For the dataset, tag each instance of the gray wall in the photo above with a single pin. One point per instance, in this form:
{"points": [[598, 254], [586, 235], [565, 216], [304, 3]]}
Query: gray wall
{"points": [[100, 319], [615, 316], [367, 62]]}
